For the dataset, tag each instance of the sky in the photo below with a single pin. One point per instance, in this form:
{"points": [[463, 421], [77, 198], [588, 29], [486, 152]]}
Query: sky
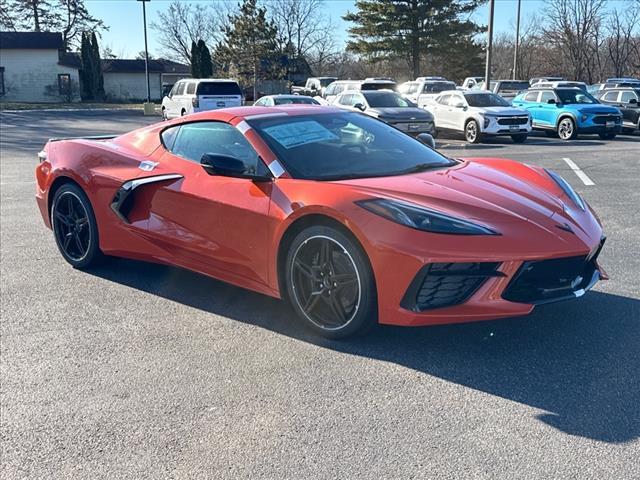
{"points": [[125, 35]]}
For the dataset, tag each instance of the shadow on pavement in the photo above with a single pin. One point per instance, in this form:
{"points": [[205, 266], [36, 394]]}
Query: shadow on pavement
{"points": [[578, 361]]}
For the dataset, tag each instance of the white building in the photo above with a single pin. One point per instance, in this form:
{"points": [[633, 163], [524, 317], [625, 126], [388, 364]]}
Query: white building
{"points": [[33, 68]]}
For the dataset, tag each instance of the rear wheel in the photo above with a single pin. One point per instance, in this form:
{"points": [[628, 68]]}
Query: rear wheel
{"points": [[519, 138], [329, 283], [472, 132], [607, 136], [567, 129], [74, 227]]}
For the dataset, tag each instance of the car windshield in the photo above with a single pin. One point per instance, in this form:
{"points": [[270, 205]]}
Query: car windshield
{"points": [[485, 100], [326, 81], [378, 86], [513, 86], [570, 96], [387, 99], [335, 146], [437, 87], [294, 99]]}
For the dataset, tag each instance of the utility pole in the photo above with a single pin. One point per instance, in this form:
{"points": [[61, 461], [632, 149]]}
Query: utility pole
{"points": [[515, 51], [146, 49], [487, 70]]}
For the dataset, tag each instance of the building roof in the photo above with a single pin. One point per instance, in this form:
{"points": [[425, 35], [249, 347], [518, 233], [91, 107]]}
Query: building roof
{"points": [[69, 59], [137, 66], [31, 40]]}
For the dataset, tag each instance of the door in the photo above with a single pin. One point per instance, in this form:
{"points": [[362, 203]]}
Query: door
{"points": [[209, 223], [630, 109], [440, 108], [176, 100], [456, 115]]}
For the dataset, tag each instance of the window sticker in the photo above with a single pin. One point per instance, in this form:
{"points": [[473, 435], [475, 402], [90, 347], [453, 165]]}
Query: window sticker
{"points": [[299, 133]]}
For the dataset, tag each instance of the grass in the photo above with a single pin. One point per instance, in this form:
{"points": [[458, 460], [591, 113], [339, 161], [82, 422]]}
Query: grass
{"points": [[69, 106]]}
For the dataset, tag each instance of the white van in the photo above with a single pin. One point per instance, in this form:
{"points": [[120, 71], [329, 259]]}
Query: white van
{"points": [[191, 95]]}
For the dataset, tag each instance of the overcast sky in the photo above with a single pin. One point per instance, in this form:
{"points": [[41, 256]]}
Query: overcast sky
{"points": [[124, 18]]}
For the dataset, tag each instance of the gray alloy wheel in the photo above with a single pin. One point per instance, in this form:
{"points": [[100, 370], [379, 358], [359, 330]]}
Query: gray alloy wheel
{"points": [[329, 283], [472, 132], [567, 129], [74, 226]]}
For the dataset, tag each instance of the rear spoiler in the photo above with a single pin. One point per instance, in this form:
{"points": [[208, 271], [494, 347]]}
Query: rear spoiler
{"points": [[93, 137]]}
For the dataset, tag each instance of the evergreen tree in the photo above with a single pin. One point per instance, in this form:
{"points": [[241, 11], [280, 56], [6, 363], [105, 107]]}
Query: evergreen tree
{"points": [[408, 29], [91, 78], [248, 49], [206, 67], [195, 60]]}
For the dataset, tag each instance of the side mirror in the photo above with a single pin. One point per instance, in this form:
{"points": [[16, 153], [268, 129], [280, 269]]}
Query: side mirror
{"points": [[633, 100], [313, 87], [551, 101], [426, 139], [360, 107], [227, 166]]}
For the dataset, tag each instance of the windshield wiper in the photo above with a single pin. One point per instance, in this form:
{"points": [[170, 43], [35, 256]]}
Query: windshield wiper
{"points": [[422, 167]]}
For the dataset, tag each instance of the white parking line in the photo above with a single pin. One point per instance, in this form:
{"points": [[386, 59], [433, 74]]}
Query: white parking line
{"points": [[576, 169]]}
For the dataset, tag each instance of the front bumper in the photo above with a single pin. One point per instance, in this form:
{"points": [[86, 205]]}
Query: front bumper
{"points": [[505, 125], [414, 128]]}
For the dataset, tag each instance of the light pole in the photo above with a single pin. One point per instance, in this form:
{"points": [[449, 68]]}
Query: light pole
{"points": [[515, 51], [487, 69], [146, 49]]}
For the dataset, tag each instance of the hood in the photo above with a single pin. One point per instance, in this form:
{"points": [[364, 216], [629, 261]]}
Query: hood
{"points": [[502, 111], [491, 192], [406, 113], [595, 109]]}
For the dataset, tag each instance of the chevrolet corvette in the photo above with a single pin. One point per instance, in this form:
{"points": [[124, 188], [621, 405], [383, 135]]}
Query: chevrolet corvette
{"points": [[351, 220]]}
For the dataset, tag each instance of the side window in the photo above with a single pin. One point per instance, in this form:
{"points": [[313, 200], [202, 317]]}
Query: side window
{"points": [[345, 99], [626, 96], [180, 89], [546, 96], [168, 137], [193, 140], [330, 89], [454, 99], [339, 88], [191, 88], [444, 99], [413, 88], [610, 97], [357, 98], [531, 97]]}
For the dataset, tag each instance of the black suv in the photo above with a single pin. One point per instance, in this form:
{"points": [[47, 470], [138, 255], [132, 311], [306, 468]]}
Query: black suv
{"points": [[628, 101]]}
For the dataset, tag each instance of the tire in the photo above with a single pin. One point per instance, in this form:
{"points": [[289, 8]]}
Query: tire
{"points": [[551, 133], [519, 138], [183, 112], [472, 132], [567, 129], [607, 136], [74, 227], [329, 283]]}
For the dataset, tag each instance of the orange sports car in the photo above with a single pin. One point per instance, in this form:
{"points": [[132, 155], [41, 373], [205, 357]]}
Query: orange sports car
{"points": [[351, 220]]}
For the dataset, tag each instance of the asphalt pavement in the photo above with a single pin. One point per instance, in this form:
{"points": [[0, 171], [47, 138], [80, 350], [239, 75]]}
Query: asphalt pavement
{"points": [[140, 371]]}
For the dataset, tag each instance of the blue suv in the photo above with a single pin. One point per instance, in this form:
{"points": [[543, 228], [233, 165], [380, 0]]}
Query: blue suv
{"points": [[568, 111]]}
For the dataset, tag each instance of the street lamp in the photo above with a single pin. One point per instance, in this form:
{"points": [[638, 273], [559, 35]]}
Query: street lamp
{"points": [[515, 51], [146, 49], [487, 69]]}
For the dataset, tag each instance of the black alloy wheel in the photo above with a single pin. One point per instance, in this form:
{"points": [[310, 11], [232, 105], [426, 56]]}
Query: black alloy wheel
{"points": [[74, 226], [329, 283]]}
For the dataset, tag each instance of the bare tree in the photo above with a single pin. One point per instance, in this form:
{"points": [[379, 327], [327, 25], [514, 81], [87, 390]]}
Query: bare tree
{"points": [[301, 23], [622, 42], [183, 23], [570, 33]]}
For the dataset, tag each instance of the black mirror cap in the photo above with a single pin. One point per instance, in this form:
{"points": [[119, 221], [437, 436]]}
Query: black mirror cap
{"points": [[360, 107], [426, 139], [228, 166], [552, 101], [633, 100]]}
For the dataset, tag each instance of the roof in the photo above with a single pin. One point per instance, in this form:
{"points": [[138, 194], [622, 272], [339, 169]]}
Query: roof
{"points": [[69, 59], [31, 40], [137, 66]]}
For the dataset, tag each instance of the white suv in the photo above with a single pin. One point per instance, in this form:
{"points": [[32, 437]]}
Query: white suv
{"points": [[424, 90], [192, 95], [478, 113]]}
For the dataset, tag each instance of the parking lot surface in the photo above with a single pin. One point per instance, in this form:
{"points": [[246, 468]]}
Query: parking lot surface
{"points": [[140, 371]]}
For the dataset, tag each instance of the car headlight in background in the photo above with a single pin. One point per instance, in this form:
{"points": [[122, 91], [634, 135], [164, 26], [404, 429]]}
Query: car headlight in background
{"points": [[421, 218], [567, 189]]}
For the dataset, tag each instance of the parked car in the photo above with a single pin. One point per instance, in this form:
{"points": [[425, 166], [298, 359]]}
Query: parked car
{"points": [[596, 87], [536, 80], [505, 88], [199, 94], [390, 107], [425, 89], [349, 220], [471, 82], [314, 86], [562, 83], [337, 87], [623, 79], [627, 100], [273, 100], [568, 111], [479, 113]]}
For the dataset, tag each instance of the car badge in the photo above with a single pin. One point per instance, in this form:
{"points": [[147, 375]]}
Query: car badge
{"points": [[147, 165]]}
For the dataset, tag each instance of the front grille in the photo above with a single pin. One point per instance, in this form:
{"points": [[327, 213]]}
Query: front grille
{"points": [[513, 120], [551, 280], [439, 285], [602, 119]]}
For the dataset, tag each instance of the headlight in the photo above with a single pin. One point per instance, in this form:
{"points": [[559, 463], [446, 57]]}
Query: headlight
{"points": [[420, 218], [567, 189], [584, 117]]}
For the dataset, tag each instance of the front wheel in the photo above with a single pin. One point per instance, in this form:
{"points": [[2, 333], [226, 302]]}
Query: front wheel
{"points": [[472, 132], [607, 136], [329, 283], [519, 138], [74, 227], [567, 129]]}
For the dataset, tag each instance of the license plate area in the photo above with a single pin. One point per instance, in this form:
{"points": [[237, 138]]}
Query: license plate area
{"points": [[514, 128], [610, 124]]}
